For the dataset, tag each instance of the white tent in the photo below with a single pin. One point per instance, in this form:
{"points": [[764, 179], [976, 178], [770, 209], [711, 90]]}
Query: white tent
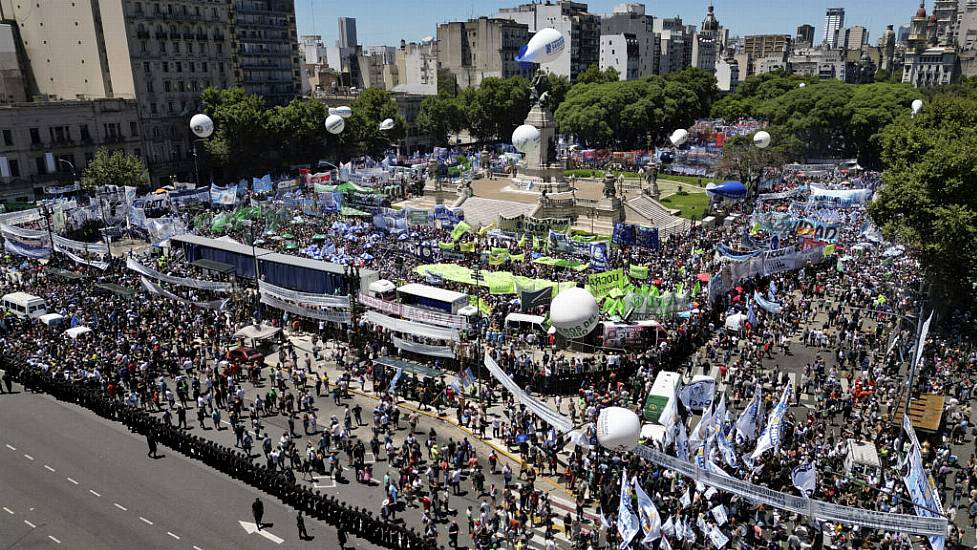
{"points": [[50, 318], [257, 332], [75, 332], [382, 286], [735, 322]]}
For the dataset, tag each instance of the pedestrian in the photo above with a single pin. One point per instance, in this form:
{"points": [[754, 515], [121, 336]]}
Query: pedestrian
{"points": [[300, 523], [151, 441], [258, 511], [341, 535], [453, 534]]}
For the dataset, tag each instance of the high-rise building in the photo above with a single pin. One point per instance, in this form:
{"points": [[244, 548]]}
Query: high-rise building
{"points": [[479, 48], [675, 44], [631, 19], [887, 48], [766, 45], [855, 37], [805, 35], [580, 29], [967, 37], [619, 52], [347, 33], [708, 42], [945, 12], [266, 52], [929, 59], [834, 22]]}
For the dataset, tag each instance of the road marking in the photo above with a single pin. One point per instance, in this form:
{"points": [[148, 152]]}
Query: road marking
{"points": [[8, 510], [170, 533], [197, 548], [94, 493], [71, 480], [48, 468], [120, 507], [11, 447], [54, 539], [29, 524], [146, 521], [251, 529], [29, 457]]}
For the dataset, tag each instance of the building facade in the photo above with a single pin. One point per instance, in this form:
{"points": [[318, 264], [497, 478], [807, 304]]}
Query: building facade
{"points": [[631, 19], [479, 48], [580, 29], [805, 36], [347, 33], [265, 49], [931, 58], [834, 24], [708, 42], [620, 52], [766, 45], [856, 37]]}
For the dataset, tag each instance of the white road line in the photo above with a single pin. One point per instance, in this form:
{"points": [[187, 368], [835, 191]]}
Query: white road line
{"points": [[170, 533], [146, 521], [120, 507], [197, 548], [94, 493], [11, 447], [71, 480], [48, 468], [29, 457], [29, 524], [54, 539], [8, 510]]}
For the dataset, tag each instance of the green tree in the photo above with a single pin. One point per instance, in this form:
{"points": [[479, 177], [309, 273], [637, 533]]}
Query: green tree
{"points": [[873, 107], [362, 134], [593, 75], [298, 130], [241, 140], [114, 168], [496, 107], [557, 86], [746, 162], [927, 201], [701, 82], [439, 116], [447, 83]]}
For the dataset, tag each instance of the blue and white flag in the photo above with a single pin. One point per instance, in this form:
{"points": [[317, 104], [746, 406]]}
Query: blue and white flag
{"points": [[726, 448], [746, 424], [393, 382], [627, 521], [698, 395], [598, 256], [681, 442], [772, 291], [772, 435], [669, 417], [921, 490], [768, 306], [805, 478], [651, 522]]}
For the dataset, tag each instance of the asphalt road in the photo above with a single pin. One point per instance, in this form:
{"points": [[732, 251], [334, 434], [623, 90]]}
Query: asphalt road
{"points": [[69, 479]]}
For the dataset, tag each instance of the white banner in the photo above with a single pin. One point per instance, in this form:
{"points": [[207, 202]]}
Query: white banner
{"points": [[409, 327], [414, 313], [160, 291], [698, 395], [214, 286], [423, 349], [336, 316], [304, 298]]}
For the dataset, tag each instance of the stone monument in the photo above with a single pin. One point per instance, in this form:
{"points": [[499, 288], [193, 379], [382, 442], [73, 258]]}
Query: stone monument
{"points": [[542, 163]]}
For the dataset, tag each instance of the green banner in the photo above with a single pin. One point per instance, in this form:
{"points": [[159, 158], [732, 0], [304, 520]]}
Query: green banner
{"points": [[600, 284], [466, 247], [417, 217], [638, 271], [446, 246], [498, 256], [460, 230]]}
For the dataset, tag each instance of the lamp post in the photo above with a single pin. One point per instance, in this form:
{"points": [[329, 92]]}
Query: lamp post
{"points": [[202, 126]]}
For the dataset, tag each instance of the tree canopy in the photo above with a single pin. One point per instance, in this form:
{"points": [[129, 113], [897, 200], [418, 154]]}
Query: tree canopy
{"points": [[113, 168], [362, 133]]}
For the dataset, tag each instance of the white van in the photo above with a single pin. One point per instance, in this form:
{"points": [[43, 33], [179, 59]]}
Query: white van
{"points": [[25, 305]]}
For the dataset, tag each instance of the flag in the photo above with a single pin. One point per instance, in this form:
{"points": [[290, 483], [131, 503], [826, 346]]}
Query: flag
{"points": [[460, 229], [627, 520], [535, 242], [698, 395], [534, 298], [696, 288], [772, 291], [651, 522], [484, 229], [719, 512], [771, 436], [638, 271], [669, 416], [750, 315], [726, 448], [681, 442], [466, 247], [804, 477], [746, 424], [663, 545], [522, 242]]}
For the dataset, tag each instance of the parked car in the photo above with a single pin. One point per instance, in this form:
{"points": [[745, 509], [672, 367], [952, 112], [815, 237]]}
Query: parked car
{"points": [[242, 354]]}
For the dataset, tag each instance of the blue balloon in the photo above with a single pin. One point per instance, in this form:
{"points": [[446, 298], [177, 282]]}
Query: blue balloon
{"points": [[727, 189]]}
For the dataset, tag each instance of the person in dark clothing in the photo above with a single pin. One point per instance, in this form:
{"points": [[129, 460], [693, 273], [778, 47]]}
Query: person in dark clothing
{"points": [[341, 534], [300, 523], [151, 441], [258, 510]]}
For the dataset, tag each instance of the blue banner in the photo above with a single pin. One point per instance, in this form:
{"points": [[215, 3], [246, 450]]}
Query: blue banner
{"points": [[623, 234], [647, 237]]}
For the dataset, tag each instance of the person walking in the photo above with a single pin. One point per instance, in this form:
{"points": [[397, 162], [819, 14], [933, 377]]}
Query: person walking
{"points": [[258, 511], [300, 523], [341, 535], [151, 441]]}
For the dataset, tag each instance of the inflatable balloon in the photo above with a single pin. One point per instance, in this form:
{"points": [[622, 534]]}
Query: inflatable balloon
{"points": [[574, 313], [335, 124], [387, 124], [526, 138], [202, 126], [761, 139], [618, 429], [679, 137], [802, 85], [917, 106], [343, 111], [545, 46], [727, 190]]}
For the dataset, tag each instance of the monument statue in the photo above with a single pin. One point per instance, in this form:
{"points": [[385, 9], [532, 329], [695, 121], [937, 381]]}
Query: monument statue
{"points": [[537, 88], [610, 184], [651, 178]]}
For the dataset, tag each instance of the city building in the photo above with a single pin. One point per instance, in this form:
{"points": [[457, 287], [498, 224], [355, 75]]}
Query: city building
{"points": [[479, 48], [967, 37], [805, 36], [855, 37], [675, 44], [708, 42], [49, 143], [377, 67], [727, 74], [631, 19], [416, 68], [834, 23], [266, 52], [620, 52], [13, 88], [581, 30], [821, 63], [766, 45], [930, 60], [902, 35], [347, 33]]}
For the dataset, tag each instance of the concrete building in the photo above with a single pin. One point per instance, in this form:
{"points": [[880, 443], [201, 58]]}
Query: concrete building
{"points": [[313, 50], [13, 87], [479, 48], [676, 44], [821, 63], [631, 19], [887, 48], [620, 52], [581, 30], [766, 45], [967, 37], [708, 42], [727, 74], [930, 59], [805, 36], [46, 143], [417, 68], [266, 53], [834, 23], [347, 33], [856, 37]]}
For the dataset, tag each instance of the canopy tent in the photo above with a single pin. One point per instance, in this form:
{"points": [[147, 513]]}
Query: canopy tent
{"points": [[735, 322], [382, 286], [515, 318], [75, 332], [257, 332], [728, 190]]}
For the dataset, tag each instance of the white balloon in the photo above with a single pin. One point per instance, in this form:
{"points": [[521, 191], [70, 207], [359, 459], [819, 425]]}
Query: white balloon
{"points": [[618, 429], [343, 111], [335, 124], [574, 313], [201, 125], [802, 85], [387, 124], [917, 106], [761, 139], [679, 137], [526, 138], [545, 46]]}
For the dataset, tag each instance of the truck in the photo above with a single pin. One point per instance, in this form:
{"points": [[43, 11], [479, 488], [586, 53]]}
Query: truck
{"points": [[661, 391]]}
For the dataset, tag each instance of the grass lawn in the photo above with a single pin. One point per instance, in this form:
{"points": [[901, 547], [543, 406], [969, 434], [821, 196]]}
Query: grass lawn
{"points": [[692, 204], [691, 180]]}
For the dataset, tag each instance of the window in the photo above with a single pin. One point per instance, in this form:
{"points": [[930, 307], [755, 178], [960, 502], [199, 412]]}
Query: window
{"points": [[166, 66], [152, 108], [133, 128], [35, 136], [166, 85], [8, 138], [179, 66], [220, 47], [14, 168], [203, 66], [40, 165], [181, 86], [162, 47], [149, 86], [85, 135], [146, 68]]}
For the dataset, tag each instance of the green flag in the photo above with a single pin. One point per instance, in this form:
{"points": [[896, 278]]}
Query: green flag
{"points": [[517, 257], [446, 246], [696, 288], [535, 242], [638, 271], [466, 247], [522, 241], [460, 230]]}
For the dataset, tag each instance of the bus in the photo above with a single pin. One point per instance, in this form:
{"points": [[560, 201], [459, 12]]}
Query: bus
{"points": [[24, 305], [429, 297], [661, 391]]}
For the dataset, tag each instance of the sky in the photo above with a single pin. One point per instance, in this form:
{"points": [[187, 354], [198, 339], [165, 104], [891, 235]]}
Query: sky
{"points": [[385, 22]]}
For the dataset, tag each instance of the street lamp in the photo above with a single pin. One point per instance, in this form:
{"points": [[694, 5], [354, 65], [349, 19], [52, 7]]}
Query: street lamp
{"points": [[202, 126], [74, 174]]}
